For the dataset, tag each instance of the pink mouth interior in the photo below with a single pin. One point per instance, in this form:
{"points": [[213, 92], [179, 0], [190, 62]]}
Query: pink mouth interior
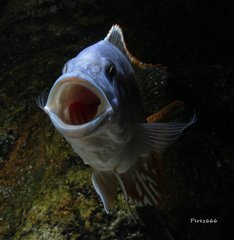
{"points": [[80, 105]]}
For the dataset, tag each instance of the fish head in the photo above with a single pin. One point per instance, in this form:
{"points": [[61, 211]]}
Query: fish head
{"points": [[97, 88]]}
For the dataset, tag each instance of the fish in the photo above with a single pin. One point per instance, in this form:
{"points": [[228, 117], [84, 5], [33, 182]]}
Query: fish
{"points": [[100, 105]]}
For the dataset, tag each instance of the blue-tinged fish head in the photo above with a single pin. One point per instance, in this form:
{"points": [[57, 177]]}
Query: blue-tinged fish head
{"points": [[97, 86]]}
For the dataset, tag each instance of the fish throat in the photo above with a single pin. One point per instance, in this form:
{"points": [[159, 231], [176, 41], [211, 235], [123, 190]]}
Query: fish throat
{"points": [[79, 105]]}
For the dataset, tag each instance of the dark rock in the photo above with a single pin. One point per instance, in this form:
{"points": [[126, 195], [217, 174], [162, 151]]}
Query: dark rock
{"points": [[45, 191]]}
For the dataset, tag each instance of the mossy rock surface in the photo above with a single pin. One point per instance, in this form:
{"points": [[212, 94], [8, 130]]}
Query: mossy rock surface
{"points": [[45, 190]]}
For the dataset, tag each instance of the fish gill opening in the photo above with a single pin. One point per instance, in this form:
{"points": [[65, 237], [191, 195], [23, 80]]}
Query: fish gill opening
{"points": [[79, 105]]}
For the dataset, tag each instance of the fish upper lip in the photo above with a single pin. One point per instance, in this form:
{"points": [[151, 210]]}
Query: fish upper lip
{"points": [[53, 105]]}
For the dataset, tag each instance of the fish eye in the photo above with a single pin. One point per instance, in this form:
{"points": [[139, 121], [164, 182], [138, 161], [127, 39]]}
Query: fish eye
{"points": [[111, 71]]}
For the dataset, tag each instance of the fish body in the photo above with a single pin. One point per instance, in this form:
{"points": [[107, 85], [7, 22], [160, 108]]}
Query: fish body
{"points": [[99, 107], [104, 142]]}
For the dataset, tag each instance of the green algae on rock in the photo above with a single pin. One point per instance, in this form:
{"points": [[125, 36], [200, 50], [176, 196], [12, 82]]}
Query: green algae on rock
{"points": [[195, 41]]}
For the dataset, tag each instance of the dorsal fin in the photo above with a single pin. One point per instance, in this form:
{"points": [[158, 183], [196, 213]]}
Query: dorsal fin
{"points": [[115, 36], [152, 79]]}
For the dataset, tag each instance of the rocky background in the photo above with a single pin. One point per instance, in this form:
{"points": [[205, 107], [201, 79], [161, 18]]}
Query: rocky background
{"points": [[45, 190]]}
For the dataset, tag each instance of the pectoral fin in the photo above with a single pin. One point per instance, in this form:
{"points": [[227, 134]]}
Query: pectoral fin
{"points": [[158, 136], [162, 130], [105, 184]]}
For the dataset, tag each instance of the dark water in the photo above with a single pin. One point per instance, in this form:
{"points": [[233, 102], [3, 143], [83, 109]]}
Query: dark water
{"points": [[194, 39]]}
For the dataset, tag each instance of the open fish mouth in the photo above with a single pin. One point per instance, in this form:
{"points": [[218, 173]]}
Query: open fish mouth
{"points": [[79, 105], [75, 103]]}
